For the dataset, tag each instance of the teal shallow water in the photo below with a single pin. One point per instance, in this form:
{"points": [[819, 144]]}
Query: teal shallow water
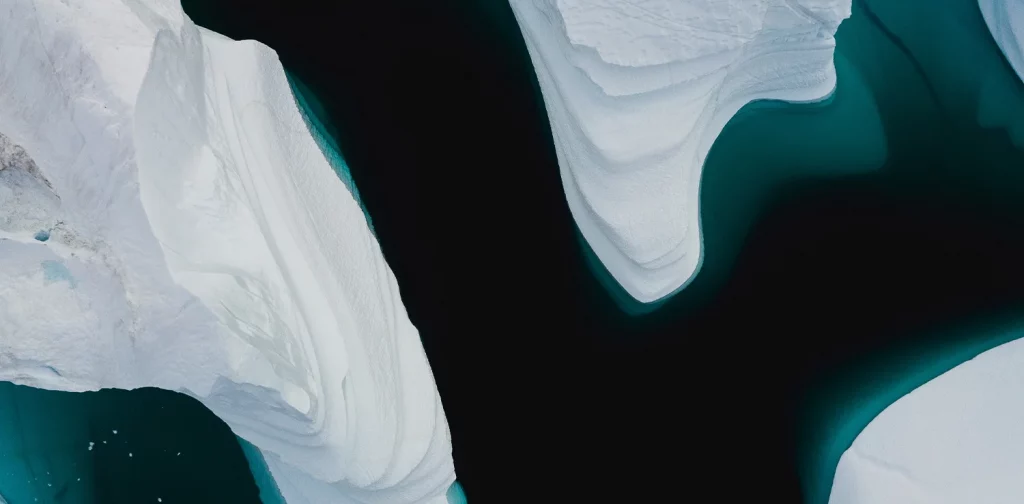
{"points": [[115, 446], [952, 110]]}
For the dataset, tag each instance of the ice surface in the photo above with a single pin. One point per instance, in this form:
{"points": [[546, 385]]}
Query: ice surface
{"points": [[636, 93], [1005, 19], [957, 438], [200, 242]]}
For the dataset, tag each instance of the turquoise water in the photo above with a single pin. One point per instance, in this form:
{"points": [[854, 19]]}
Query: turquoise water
{"points": [[116, 446], [953, 115], [56, 271]]}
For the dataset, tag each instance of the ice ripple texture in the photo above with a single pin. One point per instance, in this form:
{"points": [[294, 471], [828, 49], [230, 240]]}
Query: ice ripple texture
{"points": [[200, 242], [637, 91]]}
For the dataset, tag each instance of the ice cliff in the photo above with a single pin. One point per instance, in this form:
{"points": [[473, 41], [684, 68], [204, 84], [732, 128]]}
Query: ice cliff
{"points": [[167, 220], [636, 93], [959, 437]]}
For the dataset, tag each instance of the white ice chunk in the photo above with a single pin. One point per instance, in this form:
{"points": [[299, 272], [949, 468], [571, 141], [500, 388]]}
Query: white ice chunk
{"points": [[958, 438], [202, 243], [636, 93]]}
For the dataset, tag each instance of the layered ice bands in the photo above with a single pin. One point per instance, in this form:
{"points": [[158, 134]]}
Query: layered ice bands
{"points": [[197, 240], [636, 93]]}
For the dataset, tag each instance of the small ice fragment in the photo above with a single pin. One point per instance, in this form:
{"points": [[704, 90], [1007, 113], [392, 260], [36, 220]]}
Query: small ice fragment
{"points": [[158, 499], [115, 432], [91, 444], [178, 455], [129, 454]]}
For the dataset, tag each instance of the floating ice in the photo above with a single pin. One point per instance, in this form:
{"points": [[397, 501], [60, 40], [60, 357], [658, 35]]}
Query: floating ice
{"points": [[636, 93], [955, 439], [200, 242], [958, 437]]}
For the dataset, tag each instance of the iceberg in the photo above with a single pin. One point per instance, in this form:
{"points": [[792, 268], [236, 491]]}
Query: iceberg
{"points": [[956, 438], [1005, 20], [637, 91], [198, 240]]}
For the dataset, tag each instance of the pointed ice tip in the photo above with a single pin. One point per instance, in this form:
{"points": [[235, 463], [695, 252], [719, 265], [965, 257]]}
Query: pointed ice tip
{"points": [[456, 495]]}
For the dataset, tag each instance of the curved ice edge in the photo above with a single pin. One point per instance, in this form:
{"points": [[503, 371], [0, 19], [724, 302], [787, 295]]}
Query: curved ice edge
{"points": [[969, 393], [655, 279], [623, 268], [181, 160]]}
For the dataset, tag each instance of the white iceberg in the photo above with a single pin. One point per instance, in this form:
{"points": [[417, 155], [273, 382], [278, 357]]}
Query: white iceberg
{"points": [[957, 438], [1005, 20], [636, 93], [167, 220]]}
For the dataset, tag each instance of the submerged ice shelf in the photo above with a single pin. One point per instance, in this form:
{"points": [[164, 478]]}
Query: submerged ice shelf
{"points": [[637, 92], [199, 241]]}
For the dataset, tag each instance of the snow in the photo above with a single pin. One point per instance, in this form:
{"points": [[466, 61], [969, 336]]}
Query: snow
{"points": [[1005, 20], [200, 242], [957, 438], [637, 91]]}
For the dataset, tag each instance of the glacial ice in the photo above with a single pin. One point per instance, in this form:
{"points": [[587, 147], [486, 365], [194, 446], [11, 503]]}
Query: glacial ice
{"points": [[636, 93], [199, 241], [960, 436], [957, 438]]}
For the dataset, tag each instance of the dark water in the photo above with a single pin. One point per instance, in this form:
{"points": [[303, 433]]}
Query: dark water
{"points": [[115, 447], [854, 249]]}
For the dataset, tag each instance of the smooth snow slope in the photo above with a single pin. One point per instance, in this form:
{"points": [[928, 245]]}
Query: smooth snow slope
{"points": [[958, 438], [200, 242], [636, 93]]}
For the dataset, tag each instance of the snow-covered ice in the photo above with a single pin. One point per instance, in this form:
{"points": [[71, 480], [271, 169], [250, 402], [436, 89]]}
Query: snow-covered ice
{"points": [[636, 93], [957, 438], [199, 241]]}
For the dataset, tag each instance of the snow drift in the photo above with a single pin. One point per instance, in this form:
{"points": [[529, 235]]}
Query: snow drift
{"points": [[197, 240], [636, 93]]}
